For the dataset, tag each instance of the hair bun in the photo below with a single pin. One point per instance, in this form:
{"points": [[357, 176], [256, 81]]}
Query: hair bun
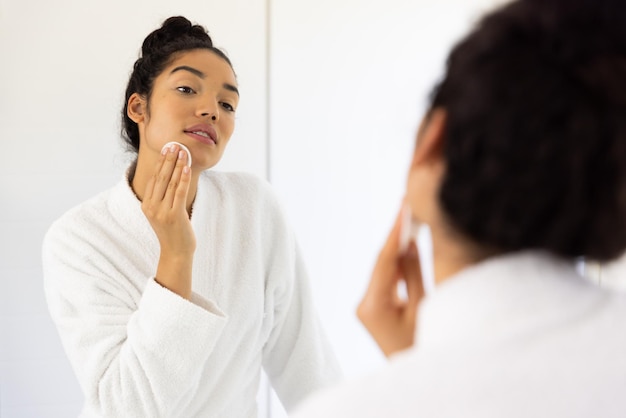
{"points": [[172, 30]]}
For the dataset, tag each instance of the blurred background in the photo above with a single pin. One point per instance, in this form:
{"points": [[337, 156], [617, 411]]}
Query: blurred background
{"points": [[332, 93]]}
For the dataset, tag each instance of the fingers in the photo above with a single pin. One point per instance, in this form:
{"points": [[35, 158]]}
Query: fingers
{"points": [[179, 194], [164, 172], [381, 296], [398, 255], [408, 259], [392, 245], [389, 318], [411, 273], [384, 276], [170, 181], [174, 188]]}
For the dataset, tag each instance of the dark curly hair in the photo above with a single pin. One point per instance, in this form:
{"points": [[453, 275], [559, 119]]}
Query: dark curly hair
{"points": [[535, 139], [177, 34]]}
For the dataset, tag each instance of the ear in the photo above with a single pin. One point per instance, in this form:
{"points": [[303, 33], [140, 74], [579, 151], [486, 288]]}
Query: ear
{"points": [[137, 108], [430, 137]]}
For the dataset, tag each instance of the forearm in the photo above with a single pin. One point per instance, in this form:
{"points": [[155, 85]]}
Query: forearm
{"points": [[174, 273], [144, 367]]}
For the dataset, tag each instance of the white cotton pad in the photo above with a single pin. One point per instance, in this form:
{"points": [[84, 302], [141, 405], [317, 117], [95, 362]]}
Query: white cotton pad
{"points": [[411, 230], [408, 228], [183, 147]]}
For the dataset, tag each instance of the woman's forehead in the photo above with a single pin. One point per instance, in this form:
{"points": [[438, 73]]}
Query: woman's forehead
{"points": [[203, 63]]}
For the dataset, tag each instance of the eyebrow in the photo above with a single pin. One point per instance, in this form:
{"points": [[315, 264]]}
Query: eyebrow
{"points": [[200, 74], [231, 88], [192, 70]]}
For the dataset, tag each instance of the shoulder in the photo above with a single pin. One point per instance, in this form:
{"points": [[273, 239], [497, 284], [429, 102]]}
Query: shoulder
{"points": [[248, 201], [69, 242], [80, 217], [235, 181], [94, 220], [241, 188]]}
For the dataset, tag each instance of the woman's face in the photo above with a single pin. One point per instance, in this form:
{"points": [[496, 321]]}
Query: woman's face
{"points": [[193, 102]]}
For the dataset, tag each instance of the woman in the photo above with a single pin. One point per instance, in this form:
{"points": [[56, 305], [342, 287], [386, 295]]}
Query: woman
{"points": [[174, 288], [519, 170]]}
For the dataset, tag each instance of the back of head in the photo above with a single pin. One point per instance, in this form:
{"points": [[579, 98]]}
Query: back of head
{"points": [[535, 141], [176, 35]]}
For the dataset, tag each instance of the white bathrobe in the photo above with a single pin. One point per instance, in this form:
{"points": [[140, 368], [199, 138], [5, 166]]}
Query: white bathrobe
{"points": [[516, 336], [140, 350]]}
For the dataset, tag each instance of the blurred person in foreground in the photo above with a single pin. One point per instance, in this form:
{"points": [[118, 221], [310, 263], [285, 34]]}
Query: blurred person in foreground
{"points": [[519, 170]]}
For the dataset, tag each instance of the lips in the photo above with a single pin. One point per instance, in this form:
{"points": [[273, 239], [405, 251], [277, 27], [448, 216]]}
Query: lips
{"points": [[203, 132]]}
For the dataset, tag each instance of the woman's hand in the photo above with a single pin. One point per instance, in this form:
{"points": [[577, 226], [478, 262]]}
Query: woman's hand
{"points": [[388, 317], [164, 204]]}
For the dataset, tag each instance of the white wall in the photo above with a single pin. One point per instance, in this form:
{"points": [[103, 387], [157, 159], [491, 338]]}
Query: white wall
{"points": [[64, 69]]}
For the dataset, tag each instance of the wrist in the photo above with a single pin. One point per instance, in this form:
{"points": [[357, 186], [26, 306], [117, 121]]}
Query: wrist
{"points": [[174, 273]]}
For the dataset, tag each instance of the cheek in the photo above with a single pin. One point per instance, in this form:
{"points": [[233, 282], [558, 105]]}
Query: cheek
{"points": [[157, 133], [151, 131], [160, 120], [227, 128]]}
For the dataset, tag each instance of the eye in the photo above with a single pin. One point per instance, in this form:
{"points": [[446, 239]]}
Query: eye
{"points": [[227, 106], [185, 90]]}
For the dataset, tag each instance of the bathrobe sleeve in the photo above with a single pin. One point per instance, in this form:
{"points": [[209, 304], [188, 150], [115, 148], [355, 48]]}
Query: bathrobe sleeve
{"points": [[298, 358], [136, 350]]}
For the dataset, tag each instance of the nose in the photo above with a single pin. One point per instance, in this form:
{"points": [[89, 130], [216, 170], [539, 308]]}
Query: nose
{"points": [[212, 116], [210, 109]]}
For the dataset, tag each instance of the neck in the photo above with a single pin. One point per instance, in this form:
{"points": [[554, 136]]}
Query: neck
{"points": [[141, 172], [452, 252]]}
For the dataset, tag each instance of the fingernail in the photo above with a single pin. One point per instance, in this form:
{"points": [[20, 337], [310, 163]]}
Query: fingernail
{"points": [[180, 154], [163, 150], [186, 169], [172, 148]]}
